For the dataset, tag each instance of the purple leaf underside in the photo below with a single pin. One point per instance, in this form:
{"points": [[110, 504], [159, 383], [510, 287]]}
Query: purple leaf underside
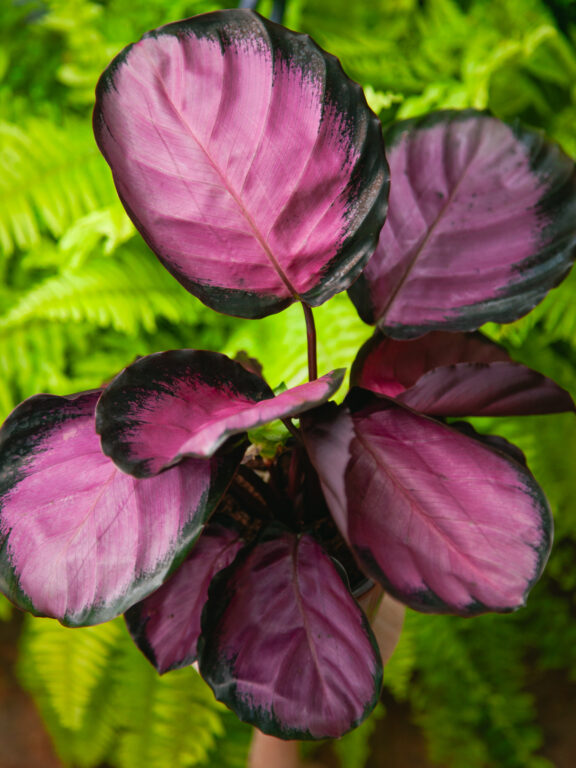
{"points": [[182, 403], [249, 162], [81, 541], [481, 225], [166, 624], [285, 645], [455, 374], [443, 522], [389, 366], [494, 389]]}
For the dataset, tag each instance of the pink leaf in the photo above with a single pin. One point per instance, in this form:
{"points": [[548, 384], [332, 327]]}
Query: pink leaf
{"points": [[285, 645], [388, 366], [249, 162], [443, 522], [480, 227], [493, 389], [187, 403], [455, 374], [166, 624], [81, 541]]}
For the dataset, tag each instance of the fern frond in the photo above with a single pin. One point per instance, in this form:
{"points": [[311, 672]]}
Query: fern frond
{"points": [[67, 664], [128, 293], [232, 746], [33, 360], [556, 315], [402, 664], [103, 701], [163, 722], [106, 229], [51, 339], [93, 36], [444, 57], [86, 747], [368, 43], [475, 670], [50, 176]]}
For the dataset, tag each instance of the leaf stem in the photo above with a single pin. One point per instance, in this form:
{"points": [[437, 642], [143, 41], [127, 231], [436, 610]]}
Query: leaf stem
{"points": [[311, 337], [278, 9], [292, 428]]}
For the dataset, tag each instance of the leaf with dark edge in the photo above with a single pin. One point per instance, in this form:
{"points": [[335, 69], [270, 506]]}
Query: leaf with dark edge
{"points": [[455, 374], [249, 162], [80, 540], [166, 624], [187, 402], [496, 442], [481, 225], [389, 366], [285, 645], [442, 521], [479, 389]]}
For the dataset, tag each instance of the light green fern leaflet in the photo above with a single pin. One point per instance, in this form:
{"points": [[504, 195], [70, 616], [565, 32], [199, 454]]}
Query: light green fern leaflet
{"points": [[556, 314], [103, 701], [130, 294], [68, 665], [49, 176]]}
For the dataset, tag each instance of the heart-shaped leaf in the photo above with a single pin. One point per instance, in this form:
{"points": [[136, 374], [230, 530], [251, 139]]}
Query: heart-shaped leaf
{"points": [[285, 645], [455, 374], [166, 624], [249, 162], [80, 540], [187, 402], [481, 225], [443, 522]]}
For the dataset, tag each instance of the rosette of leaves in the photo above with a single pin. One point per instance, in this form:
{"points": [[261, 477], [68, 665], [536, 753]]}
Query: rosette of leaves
{"points": [[256, 172]]}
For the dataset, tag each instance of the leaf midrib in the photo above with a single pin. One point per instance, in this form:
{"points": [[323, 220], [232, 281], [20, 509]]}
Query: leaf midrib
{"points": [[416, 505], [258, 236], [420, 248]]}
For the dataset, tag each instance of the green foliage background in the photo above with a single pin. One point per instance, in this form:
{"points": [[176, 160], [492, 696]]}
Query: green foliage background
{"points": [[81, 296]]}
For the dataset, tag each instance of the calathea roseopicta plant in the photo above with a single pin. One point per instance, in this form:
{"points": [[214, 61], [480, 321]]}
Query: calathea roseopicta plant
{"points": [[256, 172]]}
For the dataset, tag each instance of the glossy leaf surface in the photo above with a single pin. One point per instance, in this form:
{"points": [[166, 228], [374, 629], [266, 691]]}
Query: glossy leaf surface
{"points": [[455, 374], [82, 541], [248, 161], [481, 225], [166, 625], [285, 645], [443, 522], [187, 403]]}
